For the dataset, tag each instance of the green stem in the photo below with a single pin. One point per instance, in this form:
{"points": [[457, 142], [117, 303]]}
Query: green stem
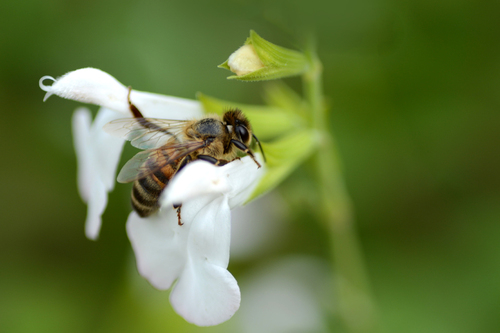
{"points": [[355, 305]]}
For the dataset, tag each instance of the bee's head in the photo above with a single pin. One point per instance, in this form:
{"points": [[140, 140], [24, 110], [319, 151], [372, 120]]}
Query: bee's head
{"points": [[240, 126]]}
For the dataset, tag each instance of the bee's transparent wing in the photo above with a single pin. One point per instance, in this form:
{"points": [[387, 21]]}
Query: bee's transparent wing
{"points": [[146, 133], [151, 160]]}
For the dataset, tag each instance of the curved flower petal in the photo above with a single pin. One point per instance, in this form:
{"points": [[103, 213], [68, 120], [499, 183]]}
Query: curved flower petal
{"points": [[159, 245], [81, 123], [107, 148], [91, 85], [236, 180], [210, 236], [206, 293], [196, 179], [244, 176], [95, 208], [167, 107], [98, 154]]}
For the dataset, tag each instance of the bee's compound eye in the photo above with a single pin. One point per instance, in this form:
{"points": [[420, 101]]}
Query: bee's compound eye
{"points": [[243, 133]]}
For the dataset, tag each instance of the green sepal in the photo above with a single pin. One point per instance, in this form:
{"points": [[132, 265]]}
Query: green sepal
{"points": [[225, 65], [280, 95], [268, 122], [283, 156], [278, 61]]}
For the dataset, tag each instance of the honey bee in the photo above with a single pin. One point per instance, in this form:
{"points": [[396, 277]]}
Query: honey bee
{"points": [[171, 144]]}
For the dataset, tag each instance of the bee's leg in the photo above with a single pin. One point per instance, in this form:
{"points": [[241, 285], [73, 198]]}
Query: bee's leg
{"points": [[212, 160], [241, 146], [182, 164], [178, 207], [135, 111]]}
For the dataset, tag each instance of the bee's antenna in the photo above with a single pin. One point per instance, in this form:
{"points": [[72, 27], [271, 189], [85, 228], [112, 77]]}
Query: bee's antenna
{"points": [[258, 142]]}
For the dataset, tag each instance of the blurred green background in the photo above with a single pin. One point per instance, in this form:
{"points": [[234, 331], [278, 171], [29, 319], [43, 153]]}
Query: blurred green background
{"points": [[414, 93]]}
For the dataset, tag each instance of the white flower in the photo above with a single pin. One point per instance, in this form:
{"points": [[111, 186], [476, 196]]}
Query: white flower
{"points": [[98, 152], [196, 253]]}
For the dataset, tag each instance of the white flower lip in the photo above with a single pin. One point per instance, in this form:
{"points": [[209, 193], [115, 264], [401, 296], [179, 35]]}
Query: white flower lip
{"points": [[244, 60], [196, 179], [196, 253], [236, 180]]}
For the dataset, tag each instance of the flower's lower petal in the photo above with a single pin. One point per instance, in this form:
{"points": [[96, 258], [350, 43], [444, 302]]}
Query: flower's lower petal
{"points": [[97, 154], [95, 207], [210, 235], [90, 185], [107, 148], [159, 245], [167, 107], [81, 137], [206, 293], [237, 180], [197, 179], [244, 175], [191, 208]]}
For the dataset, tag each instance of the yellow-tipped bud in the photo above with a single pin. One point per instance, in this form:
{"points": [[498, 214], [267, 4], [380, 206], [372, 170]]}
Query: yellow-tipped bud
{"points": [[244, 60], [260, 60]]}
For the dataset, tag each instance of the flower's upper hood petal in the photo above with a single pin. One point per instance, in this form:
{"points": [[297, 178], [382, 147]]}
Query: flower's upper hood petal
{"points": [[91, 85], [165, 107]]}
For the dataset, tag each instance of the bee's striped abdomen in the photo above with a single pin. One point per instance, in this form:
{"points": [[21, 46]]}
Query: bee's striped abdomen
{"points": [[146, 191]]}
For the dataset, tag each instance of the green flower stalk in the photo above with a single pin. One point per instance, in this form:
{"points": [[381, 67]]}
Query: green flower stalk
{"points": [[259, 60], [310, 135]]}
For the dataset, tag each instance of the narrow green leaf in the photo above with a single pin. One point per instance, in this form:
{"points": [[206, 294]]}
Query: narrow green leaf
{"points": [[278, 94], [283, 156]]}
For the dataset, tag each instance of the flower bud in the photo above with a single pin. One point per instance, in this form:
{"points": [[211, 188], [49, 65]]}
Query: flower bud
{"points": [[244, 60], [260, 60]]}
